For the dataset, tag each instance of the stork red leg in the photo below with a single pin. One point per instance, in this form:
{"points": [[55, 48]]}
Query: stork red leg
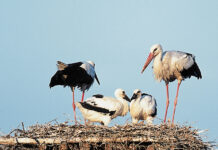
{"points": [[167, 103], [82, 101], [175, 101], [74, 107], [83, 96]]}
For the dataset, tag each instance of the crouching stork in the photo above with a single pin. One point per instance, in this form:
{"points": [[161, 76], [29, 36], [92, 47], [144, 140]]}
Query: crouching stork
{"points": [[142, 107], [102, 109]]}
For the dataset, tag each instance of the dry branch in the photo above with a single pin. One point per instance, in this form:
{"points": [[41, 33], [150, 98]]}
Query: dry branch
{"points": [[163, 136], [14, 141]]}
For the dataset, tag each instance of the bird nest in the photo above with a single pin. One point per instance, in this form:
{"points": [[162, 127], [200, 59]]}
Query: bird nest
{"points": [[140, 136]]}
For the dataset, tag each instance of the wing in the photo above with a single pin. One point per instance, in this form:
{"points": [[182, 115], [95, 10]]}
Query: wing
{"points": [[76, 75], [108, 103], [98, 96], [149, 105], [89, 106], [184, 63], [178, 59]]}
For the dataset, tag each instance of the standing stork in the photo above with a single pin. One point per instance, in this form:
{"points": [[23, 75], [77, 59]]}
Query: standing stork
{"points": [[79, 74], [99, 108], [171, 65]]}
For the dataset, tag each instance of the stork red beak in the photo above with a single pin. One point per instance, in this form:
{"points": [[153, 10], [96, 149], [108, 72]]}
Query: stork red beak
{"points": [[149, 59]]}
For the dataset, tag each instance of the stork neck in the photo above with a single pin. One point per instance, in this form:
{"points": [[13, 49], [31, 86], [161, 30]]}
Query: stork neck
{"points": [[138, 99], [158, 60], [125, 106], [159, 56], [121, 100]]}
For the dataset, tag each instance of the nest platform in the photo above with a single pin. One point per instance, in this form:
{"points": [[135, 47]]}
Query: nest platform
{"points": [[62, 136]]}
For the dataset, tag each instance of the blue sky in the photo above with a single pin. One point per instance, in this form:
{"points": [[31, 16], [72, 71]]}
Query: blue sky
{"points": [[116, 35]]}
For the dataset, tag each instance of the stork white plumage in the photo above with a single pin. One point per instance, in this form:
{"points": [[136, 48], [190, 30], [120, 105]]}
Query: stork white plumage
{"points": [[142, 107], [171, 65], [99, 108], [79, 74]]}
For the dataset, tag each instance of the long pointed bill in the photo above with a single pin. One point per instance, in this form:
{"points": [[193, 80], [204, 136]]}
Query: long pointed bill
{"points": [[149, 59], [127, 98], [97, 79], [134, 96]]}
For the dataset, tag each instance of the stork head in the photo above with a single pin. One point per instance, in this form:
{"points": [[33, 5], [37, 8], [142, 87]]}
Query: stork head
{"points": [[120, 93], [154, 51], [136, 94], [91, 63]]}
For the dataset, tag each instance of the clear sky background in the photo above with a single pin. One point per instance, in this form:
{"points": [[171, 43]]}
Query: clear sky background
{"points": [[117, 36]]}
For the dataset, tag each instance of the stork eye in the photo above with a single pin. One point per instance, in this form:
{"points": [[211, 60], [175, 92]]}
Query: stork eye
{"points": [[155, 49]]}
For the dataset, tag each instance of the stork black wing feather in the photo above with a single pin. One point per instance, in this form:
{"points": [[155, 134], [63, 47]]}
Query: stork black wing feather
{"points": [[192, 71], [77, 76], [73, 75]]}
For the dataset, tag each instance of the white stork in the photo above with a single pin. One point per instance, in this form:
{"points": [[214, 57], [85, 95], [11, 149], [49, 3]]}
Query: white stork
{"points": [[79, 74], [171, 65], [99, 108], [142, 107]]}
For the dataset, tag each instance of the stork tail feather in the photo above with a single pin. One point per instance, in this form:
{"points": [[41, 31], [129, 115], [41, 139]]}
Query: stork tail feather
{"points": [[197, 71], [61, 65], [192, 71]]}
